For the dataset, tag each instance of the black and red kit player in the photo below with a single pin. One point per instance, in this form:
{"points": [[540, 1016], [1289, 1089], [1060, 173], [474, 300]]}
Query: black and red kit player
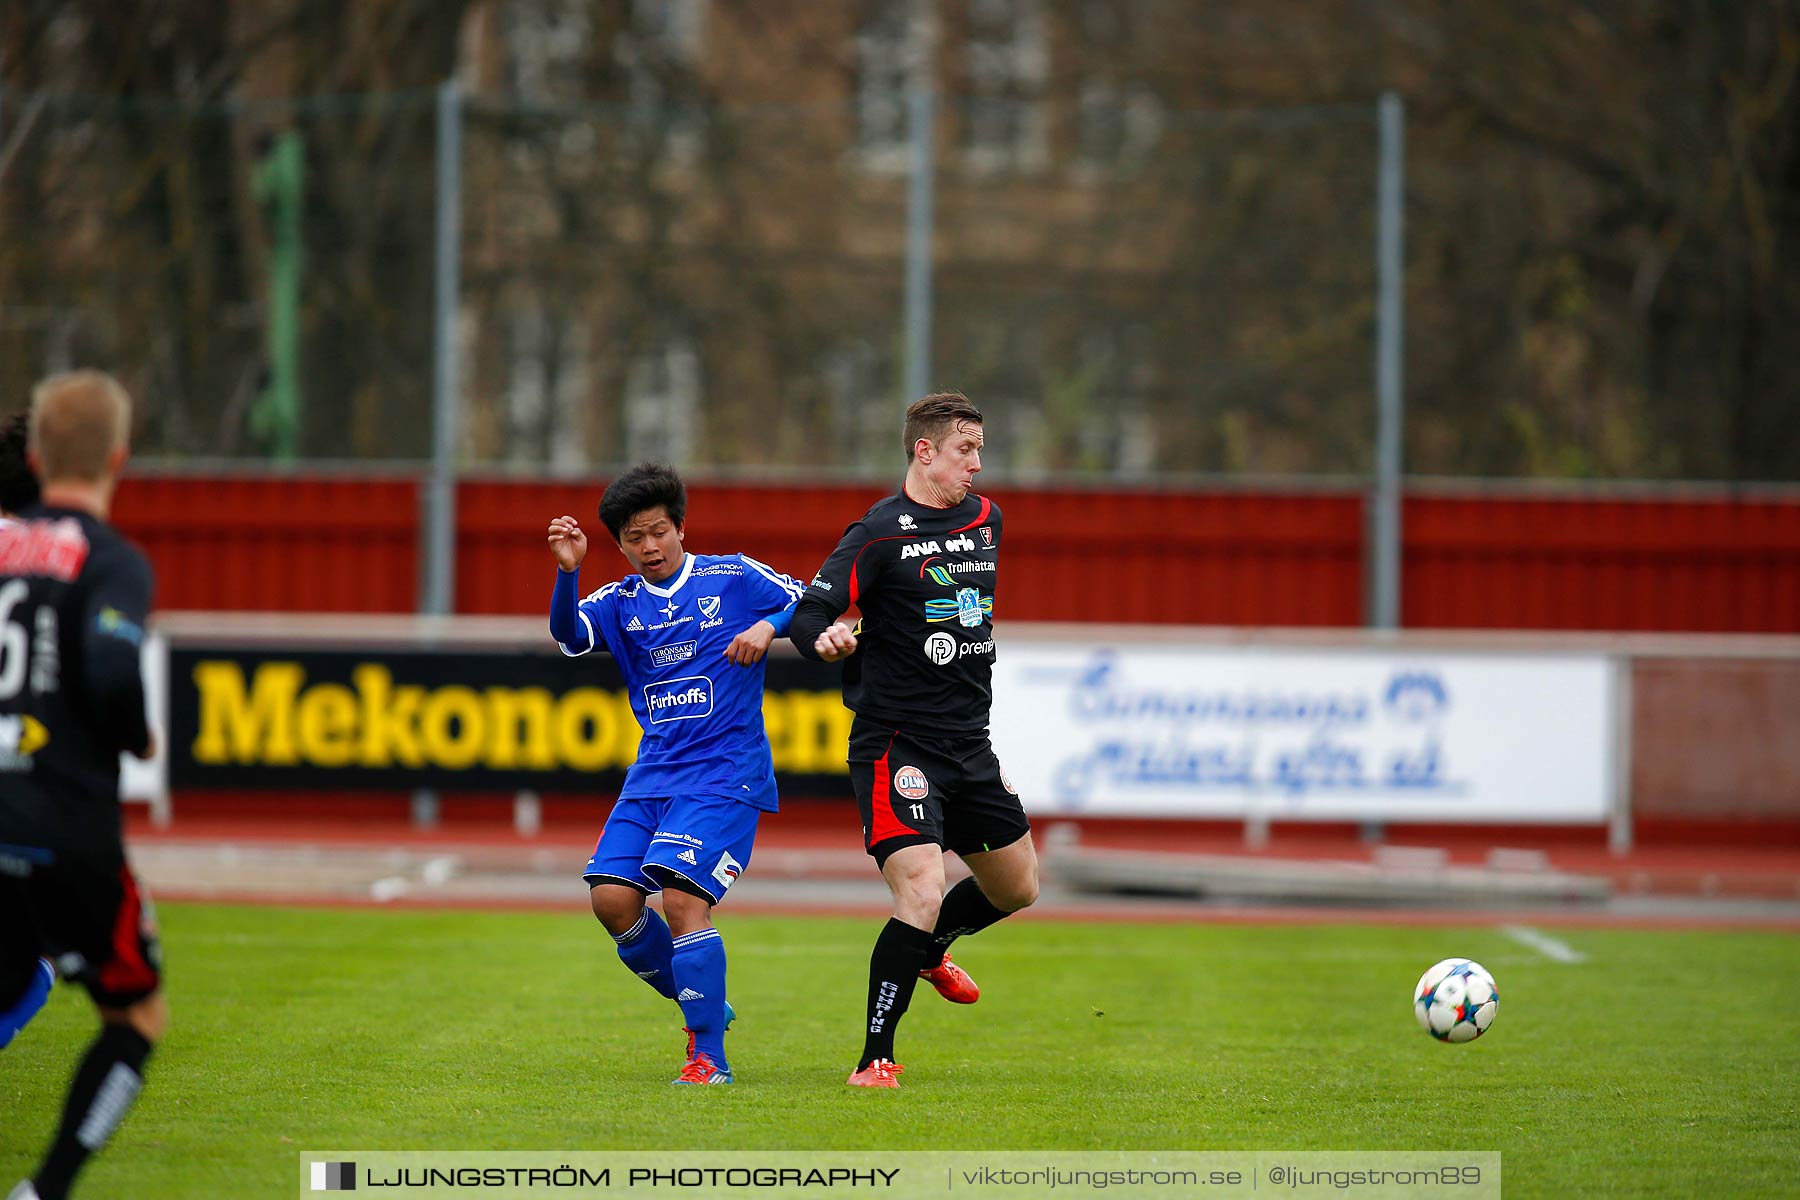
{"points": [[922, 568], [74, 596]]}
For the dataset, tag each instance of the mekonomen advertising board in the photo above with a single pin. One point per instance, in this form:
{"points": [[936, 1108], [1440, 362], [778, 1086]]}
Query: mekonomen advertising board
{"points": [[1306, 734], [458, 719]]}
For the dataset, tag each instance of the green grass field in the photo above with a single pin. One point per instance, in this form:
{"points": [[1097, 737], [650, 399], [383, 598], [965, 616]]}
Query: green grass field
{"points": [[1663, 1065]]}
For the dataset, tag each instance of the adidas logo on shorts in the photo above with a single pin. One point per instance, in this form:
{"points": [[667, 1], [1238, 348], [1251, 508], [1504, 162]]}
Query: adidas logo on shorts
{"points": [[687, 856], [690, 994]]}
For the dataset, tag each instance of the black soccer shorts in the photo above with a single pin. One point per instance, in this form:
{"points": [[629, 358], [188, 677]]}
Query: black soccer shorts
{"points": [[944, 791], [85, 913]]}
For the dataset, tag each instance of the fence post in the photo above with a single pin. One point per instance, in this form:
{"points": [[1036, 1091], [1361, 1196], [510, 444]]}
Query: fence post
{"points": [[919, 217], [440, 504], [1618, 825], [1383, 555], [439, 591]]}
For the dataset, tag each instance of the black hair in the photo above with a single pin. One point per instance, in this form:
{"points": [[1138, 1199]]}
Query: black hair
{"points": [[18, 485], [645, 486]]}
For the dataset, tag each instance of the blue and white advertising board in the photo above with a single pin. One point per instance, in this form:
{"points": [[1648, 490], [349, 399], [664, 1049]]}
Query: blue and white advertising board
{"points": [[1305, 734]]}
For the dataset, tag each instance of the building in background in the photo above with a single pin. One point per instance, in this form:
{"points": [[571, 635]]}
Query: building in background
{"points": [[684, 227]]}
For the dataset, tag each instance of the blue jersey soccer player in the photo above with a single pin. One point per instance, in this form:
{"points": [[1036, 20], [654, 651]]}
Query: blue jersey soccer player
{"points": [[689, 632]]}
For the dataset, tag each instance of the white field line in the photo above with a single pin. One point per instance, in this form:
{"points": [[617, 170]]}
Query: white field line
{"points": [[1543, 943]]}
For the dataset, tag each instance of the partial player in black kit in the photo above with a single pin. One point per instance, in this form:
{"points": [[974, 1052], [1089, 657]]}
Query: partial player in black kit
{"points": [[74, 597], [922, 566]]}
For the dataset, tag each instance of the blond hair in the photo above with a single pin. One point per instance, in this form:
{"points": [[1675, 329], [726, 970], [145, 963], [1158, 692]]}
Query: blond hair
{"points": [[78, 419]]}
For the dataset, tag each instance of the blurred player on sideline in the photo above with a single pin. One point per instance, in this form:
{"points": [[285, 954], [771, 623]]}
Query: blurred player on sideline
{"points": [[18, 482], [690, 632], [74, 596], [922, 566], [18, 492]]}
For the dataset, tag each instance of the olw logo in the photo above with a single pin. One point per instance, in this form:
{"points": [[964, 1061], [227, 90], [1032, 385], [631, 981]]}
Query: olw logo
{"points": [[275, 717]]}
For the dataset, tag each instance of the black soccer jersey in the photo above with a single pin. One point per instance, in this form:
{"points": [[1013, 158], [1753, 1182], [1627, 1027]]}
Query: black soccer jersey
{"points": [[924, 579], [74, 595]]}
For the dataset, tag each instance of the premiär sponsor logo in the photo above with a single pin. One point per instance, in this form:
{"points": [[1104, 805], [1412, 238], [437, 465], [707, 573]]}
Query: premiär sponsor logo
{"points": [[940, 648], [670, 700]]}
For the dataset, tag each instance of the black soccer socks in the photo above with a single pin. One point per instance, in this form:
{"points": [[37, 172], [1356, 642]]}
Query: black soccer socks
{"points": [[107, 1081], [966, 909], [901, 952]]}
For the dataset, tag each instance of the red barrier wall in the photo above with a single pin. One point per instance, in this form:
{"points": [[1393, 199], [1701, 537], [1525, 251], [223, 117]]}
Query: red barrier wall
{"points": [[1220, 559], [1657, 564], [276, 544], [1225, 557]]}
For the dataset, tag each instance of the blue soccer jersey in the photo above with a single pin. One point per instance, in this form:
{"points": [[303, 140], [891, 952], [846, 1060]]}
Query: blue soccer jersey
{"points": [[701, 713]]}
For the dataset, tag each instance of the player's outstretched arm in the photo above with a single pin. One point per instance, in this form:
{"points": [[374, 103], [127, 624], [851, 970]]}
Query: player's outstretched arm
{"points": [[748, 647], [569, 546], [567, 542]]}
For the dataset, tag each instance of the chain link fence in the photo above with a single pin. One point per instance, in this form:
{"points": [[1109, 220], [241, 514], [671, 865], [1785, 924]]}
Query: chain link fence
{"points": [[1127, 291]]}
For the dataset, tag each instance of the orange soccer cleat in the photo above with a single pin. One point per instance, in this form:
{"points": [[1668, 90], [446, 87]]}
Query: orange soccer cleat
{"points": [[879, 1073], [952, 982]]}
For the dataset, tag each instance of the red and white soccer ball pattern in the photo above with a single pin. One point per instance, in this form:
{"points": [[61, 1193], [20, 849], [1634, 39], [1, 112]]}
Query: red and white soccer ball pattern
{"points": [[1456, 1000]]}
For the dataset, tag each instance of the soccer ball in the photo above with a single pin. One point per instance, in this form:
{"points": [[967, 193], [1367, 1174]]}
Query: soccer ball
{"points": [[1456, 1000]]}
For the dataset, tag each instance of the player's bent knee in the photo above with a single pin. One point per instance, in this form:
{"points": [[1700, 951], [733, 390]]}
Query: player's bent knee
{"points": [[686, 912], [1013, 894], [617, 908], [149, 1016], [918, 904], [1022, 894]]}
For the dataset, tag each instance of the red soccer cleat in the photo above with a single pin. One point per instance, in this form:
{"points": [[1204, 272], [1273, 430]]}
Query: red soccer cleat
{"points": [[952, 982], [700, 1069], [879, 1073]]}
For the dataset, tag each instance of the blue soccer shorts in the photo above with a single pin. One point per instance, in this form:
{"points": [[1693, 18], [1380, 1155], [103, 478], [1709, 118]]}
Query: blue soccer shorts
{"points": [[650, 844]]}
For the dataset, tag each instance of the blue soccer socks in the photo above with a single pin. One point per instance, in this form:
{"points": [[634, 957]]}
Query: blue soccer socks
{"points": [[700, 983], [647, 950], [26, 1007]]}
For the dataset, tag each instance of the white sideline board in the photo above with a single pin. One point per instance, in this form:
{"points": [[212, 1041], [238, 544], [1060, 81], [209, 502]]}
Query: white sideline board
{"points": [[1313, 734], [147, 780]]}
